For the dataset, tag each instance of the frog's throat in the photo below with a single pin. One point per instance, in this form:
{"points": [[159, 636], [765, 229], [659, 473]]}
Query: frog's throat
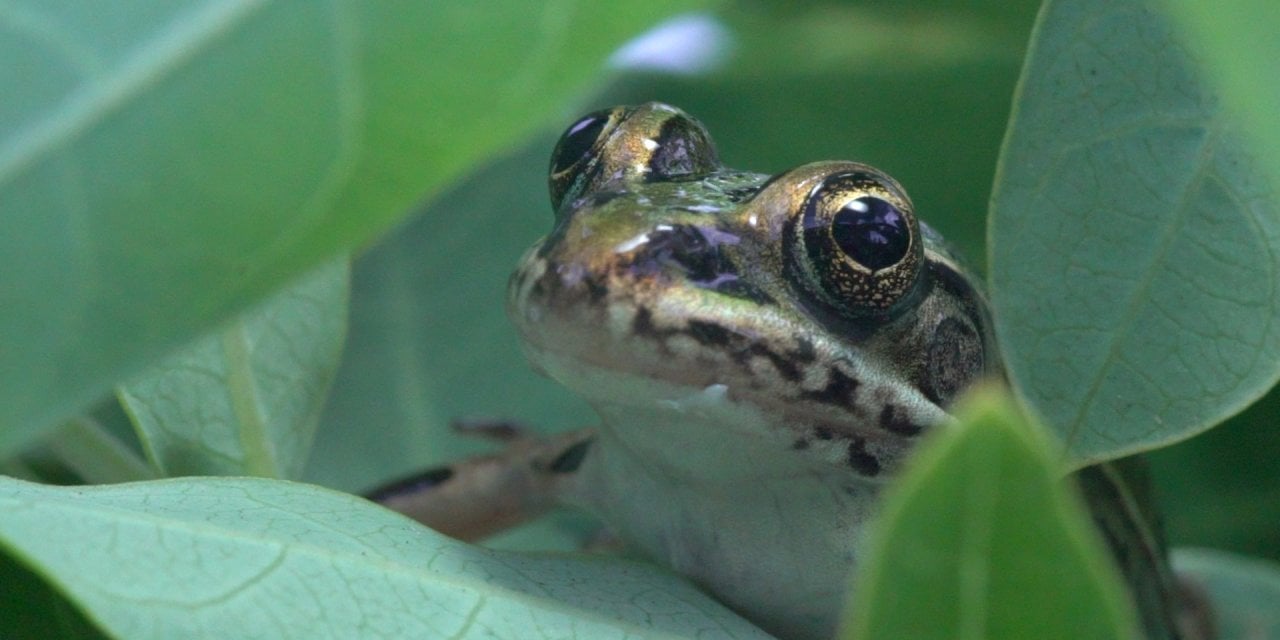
{"points": [[683, 415]]}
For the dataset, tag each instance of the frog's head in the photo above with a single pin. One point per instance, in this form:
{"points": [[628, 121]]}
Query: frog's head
{"points": [[814, 296]]}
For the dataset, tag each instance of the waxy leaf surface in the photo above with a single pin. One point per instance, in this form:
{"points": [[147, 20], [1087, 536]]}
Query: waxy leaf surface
{"points": [[240, 558], [1135, 242]]}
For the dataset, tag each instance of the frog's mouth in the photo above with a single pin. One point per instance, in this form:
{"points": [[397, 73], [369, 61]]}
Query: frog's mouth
{"points": [[584, 319]]}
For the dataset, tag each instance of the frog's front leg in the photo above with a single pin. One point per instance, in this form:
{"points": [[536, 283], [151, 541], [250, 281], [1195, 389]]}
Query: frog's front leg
{"points": [[484, 495]]}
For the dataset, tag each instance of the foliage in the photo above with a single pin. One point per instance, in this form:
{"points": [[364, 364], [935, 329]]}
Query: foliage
{"points": [[165, 167]]}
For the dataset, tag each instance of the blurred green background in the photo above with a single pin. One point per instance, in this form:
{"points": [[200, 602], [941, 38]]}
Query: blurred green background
{"points": [[921, 90]]}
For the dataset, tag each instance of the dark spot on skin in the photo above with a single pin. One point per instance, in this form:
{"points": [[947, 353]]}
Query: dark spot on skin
{"points": [[839, 387], [737, 288], [712, 334], [642, 323], [954, 360], [861, 461], [804, 353], [894, 419], [800, 444], [822, 433], [571, 458], [428, 479], [595, 291]]}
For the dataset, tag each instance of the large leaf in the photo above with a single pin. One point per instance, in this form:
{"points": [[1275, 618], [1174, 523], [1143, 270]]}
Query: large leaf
{"points": [[162, 164], [1243, 592], [1135, 246], [980, 539], [1238, 42], [245, 399], [239, 558]]}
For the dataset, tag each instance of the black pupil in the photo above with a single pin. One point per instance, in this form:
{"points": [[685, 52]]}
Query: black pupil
{"points": [[578, 139], [872, 231]]}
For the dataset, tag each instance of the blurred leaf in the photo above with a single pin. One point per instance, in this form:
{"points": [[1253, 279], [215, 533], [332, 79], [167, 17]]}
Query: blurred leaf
{"points": [[978, 536], [1243, 591], [237, 558], [164, 164], [1135, 247], [246, 398], [1238, 43]]}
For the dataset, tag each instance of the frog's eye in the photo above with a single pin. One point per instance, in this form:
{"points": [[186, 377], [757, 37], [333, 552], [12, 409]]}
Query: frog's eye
{"points": [[577, 148], [855, 243], [609, 149]]}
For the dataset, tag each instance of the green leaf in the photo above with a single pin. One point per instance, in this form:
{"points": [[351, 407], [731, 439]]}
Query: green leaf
{"points": [[236, 558], [1242, 591], [980, 539], [1135, 246], [1238, 42], [245, 399], [162, 165]]}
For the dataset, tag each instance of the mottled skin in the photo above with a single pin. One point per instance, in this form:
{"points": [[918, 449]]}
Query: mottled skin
{"points": [[761, 364]]}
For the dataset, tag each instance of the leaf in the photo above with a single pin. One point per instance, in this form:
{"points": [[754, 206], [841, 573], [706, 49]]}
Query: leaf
{"points": [[979, 537], [1242, 591], [245, 399], [1238, 43], [1135, 246], [244, 557], [162, 165]]}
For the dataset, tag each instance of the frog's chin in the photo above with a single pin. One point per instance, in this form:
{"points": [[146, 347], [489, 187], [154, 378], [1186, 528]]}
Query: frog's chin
{"points": [[708, 414]]}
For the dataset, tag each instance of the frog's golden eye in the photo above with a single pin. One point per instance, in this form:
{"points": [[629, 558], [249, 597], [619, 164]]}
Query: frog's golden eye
{"points": [[577, 150], [855, 243]]}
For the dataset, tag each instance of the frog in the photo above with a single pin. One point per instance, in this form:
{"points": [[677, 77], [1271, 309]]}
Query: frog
{"points": [[764, 352]]}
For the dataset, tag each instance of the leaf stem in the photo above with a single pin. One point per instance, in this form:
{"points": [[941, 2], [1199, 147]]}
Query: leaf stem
{"points": [[98, 457]]}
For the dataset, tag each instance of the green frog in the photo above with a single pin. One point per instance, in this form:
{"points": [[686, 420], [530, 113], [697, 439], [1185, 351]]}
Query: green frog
{"points": [[763, 352]]}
